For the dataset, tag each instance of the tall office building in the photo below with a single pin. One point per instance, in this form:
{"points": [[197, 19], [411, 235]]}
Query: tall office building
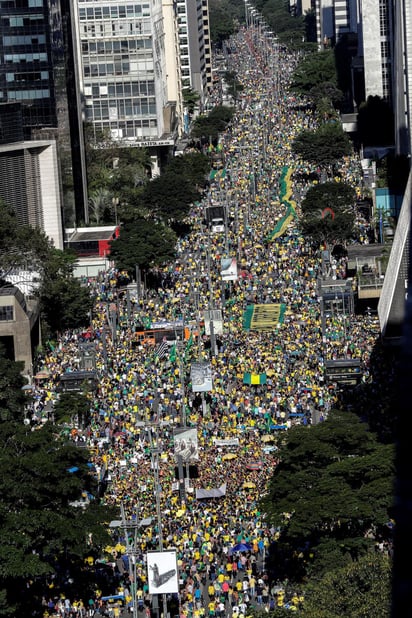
{"points": [[33, 54], [396, 284], [121, 51], [26, 64], [194, 43], [378, 47], [402, 76], [29, 176], [333, 19], [173, 66]]}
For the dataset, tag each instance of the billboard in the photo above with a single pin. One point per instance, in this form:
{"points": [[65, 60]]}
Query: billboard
{"points": [[201, 377], [186, 445], [162, 572], [228, 268]]}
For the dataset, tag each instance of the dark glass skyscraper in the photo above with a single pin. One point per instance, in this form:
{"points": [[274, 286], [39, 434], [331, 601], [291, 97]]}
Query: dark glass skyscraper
{"points": [[26, 63], [36, 60]]}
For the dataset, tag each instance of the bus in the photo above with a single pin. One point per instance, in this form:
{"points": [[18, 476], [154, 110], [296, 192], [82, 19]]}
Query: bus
{"points": [[171, 332], [346, 371]]}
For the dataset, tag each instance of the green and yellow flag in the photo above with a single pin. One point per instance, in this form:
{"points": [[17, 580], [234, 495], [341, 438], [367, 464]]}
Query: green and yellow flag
{"points": [[254, 378], [263, 317], [172, 355]]}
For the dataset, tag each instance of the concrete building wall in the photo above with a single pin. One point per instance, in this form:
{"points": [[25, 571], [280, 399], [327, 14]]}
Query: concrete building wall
{"points": [[325, 23], [123, 69], [23, 327], [50, 194], [29, 183], [377, 32], [402, 85], [173, 69], [391, 307]]}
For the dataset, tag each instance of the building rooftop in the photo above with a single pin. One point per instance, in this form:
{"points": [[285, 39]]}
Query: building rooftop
{"points": [[84, 234]]}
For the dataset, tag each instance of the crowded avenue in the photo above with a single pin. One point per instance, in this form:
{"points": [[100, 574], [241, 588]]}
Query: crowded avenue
{"points": [[231, 381]]}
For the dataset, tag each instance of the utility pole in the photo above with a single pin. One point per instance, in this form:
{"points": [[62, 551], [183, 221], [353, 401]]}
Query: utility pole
{"points": [[211, 299], [154, 456], [128, 527], [131, 551]]}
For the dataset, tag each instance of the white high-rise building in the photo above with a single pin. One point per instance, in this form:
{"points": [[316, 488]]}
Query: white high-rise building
{"points": [[377, 43], [335, 18], [123, 70], [194, 44]]}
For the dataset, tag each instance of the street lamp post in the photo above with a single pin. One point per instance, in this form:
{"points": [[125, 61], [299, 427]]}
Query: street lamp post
{"points": [[154, 456], [129, 527]]}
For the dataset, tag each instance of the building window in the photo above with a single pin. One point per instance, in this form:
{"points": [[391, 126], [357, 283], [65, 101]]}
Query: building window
{"points": [[7, 313]]}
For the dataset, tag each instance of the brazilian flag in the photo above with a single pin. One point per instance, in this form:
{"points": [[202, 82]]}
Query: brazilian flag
{"points": [[254, 378]]}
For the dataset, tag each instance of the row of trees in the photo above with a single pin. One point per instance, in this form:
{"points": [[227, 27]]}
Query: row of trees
{"points": [[45, 539], [158, 213], [330, 498]]}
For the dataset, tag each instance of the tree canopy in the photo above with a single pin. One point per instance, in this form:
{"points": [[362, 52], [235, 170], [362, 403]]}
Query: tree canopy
{"points": [[168, 197], [21, 246], [113, 173], [43, 534], [144, 243], [332, 487], [223, 15], [360, 589], [208, 127], [314, 71], [323, 147], [338, 196], [64, 303], [12, 398], [328, 212]]}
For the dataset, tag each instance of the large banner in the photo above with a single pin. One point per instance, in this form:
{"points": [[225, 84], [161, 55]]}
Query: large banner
{"points": [[186, 444], [228, 268], [201, 377], [226, 441], [162, 572], [214, 315], [216, 492], [263, 317]]}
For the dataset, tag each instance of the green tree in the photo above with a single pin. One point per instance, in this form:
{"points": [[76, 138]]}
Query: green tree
{"points": [[119, 171], [313, 71], [64, 302], [323, 147], [222, 20], [42, 533], [21, 246], [71, 406], [338, 196], [168, 197], [190, 99], [12, 398], [99, 202], [193, 167], [328, 212], [328, 229], [360, 589], [144, 243], [332, 487], [208, 127]]}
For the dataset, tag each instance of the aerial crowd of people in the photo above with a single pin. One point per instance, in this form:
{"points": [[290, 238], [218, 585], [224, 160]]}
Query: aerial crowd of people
{"points": [[141, 399]]}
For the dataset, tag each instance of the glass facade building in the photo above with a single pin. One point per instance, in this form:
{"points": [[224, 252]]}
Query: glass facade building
{"points": [[26, 64]]}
